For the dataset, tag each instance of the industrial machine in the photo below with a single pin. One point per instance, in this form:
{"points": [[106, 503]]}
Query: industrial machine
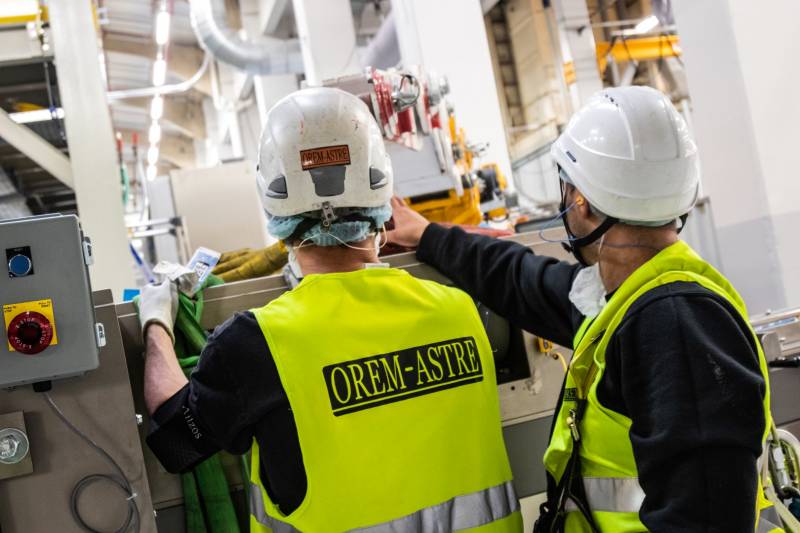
{"points": [[435, 165], [51, 334], [47, 306]]}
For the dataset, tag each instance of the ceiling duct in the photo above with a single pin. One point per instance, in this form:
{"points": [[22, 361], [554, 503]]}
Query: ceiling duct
{"points": [[260, 56], [383, 51]]}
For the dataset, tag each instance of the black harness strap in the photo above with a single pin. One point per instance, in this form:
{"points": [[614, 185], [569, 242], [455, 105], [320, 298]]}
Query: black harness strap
{"points": [[304, 225], [552, 512]]}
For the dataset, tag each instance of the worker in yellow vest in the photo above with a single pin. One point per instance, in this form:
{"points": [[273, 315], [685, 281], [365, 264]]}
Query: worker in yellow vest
{"points": [[665, 406], [367, 396]]}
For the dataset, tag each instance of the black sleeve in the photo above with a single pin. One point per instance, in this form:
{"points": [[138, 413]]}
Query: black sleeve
{"points": [[692, 386], [531, 291], [234, 385]]}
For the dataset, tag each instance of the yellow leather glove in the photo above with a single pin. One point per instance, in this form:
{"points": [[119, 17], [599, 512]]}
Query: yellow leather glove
{"points": [[248, 264]]}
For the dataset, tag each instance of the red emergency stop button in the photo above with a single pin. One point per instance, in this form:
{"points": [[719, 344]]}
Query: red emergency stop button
{"points": [[30, 332]]}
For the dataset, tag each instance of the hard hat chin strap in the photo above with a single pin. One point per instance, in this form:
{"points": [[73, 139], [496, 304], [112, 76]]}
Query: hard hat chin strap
{"points": [[308, 223], [574, 244]]}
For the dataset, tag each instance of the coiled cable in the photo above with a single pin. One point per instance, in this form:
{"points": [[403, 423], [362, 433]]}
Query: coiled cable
{"points": [[132, 521]]}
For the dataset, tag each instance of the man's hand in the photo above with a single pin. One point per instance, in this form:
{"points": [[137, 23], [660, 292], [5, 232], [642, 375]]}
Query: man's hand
{"points": [[158, 304], [408, 225]]}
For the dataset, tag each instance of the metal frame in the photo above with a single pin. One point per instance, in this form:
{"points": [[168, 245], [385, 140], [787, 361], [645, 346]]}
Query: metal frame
{"points": [[91, 142], [33, 146]]}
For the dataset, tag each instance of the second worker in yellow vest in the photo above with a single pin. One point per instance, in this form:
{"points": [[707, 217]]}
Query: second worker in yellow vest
{"points": [[368, 397], [665, 406]]}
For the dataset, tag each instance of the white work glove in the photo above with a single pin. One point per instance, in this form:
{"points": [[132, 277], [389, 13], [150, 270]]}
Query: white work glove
{"points": [[185, 278], [158, 304]]}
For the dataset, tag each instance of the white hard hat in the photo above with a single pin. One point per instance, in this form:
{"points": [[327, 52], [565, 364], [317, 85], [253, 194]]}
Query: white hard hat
{"points": [[322, 146], [629, 151]]}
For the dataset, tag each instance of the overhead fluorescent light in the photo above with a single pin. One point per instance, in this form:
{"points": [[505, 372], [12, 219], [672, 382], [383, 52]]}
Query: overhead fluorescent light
{"points": [[38, 115], [152, 155], [647, 24], [159, 71], [157, 107], [162, 27], [154, 135], [152, 171]]}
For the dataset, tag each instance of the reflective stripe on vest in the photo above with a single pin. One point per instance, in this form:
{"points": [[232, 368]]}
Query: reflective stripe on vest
{"points": [[611, 494], [260, 513], [462, 512], [768, 521]]}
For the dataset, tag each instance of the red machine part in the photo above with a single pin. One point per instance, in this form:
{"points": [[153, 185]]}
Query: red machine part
{"points": [[405, 121], [30, 332], [436, 121], [383, 103]]}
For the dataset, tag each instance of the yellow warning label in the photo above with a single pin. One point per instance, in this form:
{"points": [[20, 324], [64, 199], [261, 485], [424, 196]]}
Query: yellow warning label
{"points": [[43, 307]]}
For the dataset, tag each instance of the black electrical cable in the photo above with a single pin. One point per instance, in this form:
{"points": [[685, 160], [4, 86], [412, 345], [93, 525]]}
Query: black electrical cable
{"points": [[132, 522]]}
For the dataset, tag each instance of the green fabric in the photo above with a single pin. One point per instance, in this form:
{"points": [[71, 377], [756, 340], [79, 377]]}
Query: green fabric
{"points": [[207, 499], [191, 505]]}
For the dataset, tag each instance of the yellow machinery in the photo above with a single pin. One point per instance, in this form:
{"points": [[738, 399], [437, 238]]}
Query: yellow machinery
{"points": [[482, 187], [449, 207], [434, 164]]}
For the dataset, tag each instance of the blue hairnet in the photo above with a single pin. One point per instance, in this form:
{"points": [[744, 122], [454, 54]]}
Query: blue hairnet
{"points": [[354, 231]]}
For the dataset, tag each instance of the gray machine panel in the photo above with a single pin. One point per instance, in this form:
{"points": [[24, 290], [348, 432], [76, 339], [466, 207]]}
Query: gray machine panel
{"points": [[783, 384], [526, 444], [100, 405], [59, 274]]}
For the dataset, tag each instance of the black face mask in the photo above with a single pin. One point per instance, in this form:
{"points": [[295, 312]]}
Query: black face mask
{"points": [[575, 243]]}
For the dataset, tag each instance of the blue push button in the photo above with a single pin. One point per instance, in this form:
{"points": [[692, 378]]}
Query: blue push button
{"points": [[20, 266]]}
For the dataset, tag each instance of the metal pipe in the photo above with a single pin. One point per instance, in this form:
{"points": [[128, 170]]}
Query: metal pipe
{"points": [[662, 30], [174, 221], [622, 9], [552, 31], [260, 56], [601, 5], [152, 233], [163, 89], [616, 23], [383, 51]]}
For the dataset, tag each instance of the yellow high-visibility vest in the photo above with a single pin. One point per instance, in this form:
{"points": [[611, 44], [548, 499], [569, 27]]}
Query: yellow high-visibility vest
{"points": [[391, 382], [608, 467]]}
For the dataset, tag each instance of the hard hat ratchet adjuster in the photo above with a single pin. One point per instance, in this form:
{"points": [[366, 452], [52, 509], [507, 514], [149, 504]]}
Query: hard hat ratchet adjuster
{"points": [[328, 216]]}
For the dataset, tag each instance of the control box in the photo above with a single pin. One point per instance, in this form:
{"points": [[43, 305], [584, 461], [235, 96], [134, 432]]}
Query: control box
{"points": [[46, 300]]}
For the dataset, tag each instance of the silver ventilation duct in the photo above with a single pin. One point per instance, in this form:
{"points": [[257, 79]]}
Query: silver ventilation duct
{"points": [[383, 51], [260, 56]]}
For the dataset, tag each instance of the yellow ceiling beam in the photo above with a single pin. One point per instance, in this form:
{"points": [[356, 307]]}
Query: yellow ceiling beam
{"points": [[15, 12], [638, 49]]}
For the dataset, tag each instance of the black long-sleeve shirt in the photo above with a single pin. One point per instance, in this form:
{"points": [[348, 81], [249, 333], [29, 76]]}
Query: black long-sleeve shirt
{"points": [[234, 396], [682, 365]]}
